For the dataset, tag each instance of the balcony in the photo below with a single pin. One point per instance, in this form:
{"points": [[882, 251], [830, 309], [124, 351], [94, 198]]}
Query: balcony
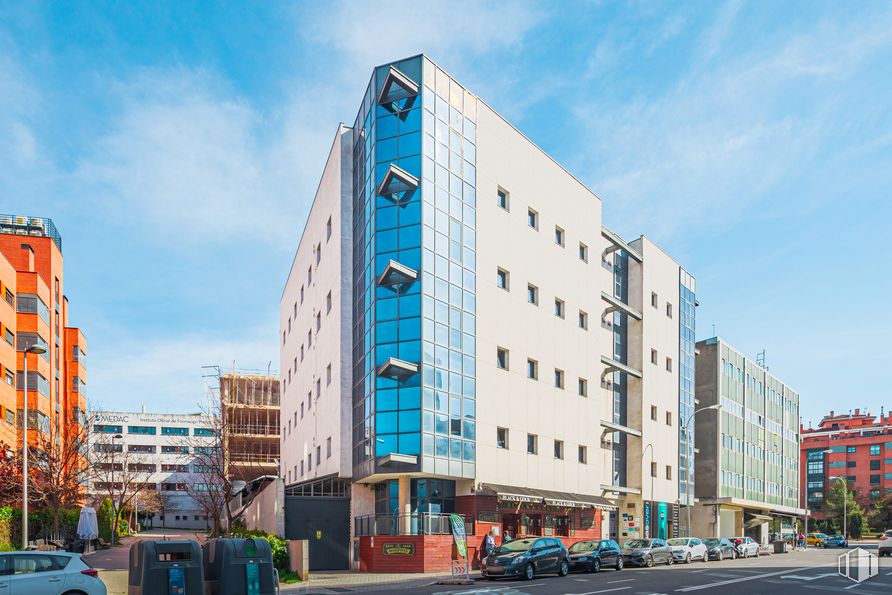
{"points": [[416, 523], [23, 225], [617, 366], [616, 305], [617, 243]]}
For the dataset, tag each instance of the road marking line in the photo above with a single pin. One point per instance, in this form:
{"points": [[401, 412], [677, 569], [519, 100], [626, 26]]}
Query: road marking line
{"points": [[601, 591], [628, 580], [744, 579], [853, 586]]}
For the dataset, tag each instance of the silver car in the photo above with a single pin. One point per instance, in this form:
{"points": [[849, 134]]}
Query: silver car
{"points": [[47, 573]]}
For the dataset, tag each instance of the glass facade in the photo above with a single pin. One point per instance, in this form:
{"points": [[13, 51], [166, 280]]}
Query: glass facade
{"points": [[620, 379], [427, 408], [687, 318]]}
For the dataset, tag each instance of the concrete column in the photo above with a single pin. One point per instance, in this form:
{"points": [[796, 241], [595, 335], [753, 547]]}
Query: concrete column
{"points": [[405, 487]]}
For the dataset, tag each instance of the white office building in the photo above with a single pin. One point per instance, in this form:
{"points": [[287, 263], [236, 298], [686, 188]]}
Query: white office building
{"points": [[460, 333], [161, 444]]}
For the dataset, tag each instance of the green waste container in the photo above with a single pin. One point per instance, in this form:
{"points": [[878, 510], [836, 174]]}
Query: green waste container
{"points": [[165, 568], [239, 567]]}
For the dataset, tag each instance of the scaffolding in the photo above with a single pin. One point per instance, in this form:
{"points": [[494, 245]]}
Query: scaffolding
{"points": [[249, 404]]}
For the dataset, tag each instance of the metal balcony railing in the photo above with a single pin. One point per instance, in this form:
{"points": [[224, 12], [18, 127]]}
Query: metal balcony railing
{"points": [[416, 523]]}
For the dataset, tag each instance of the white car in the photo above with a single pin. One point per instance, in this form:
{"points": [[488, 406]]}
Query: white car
{"points": [[47, 573], [686, 549], [746, 547]]}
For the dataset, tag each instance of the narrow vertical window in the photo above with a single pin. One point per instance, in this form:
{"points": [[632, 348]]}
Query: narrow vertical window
{"points": [[502, 199], [533, 219]]}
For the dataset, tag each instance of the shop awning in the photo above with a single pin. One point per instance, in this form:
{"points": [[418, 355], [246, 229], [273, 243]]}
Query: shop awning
{"points": [[547, 497], [754, 520]]}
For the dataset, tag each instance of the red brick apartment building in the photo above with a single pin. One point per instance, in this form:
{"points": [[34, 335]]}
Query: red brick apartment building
{"points": [[34, 311], [860, 446]]}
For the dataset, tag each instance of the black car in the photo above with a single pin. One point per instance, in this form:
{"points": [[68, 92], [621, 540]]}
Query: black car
{"points": [[592, 556], [647, 552], [719, 549], [526, 558]]}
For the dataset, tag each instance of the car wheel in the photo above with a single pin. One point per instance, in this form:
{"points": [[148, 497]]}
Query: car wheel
{"points": [[564, 568], [596, 565], [670, 560], [706, 557], [649, 561], [687, 559], [719, 557], [619, 563], [746, 553], [529, 572]]}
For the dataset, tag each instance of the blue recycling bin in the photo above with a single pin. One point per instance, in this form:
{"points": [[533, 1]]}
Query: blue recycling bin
{"points": [[165, 568]]}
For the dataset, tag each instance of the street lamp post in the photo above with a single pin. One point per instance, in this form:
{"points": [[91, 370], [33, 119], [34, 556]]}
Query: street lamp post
{"points": [[112, 490], [651, 447], [37, 350], [689, 498]]}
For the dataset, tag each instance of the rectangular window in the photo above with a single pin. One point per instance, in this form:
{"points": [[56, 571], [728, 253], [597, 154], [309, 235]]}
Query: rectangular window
{"points": [[653, 356], [583, 252], [328, 303], [501, 358], [150, 430], [328, 229], [203, 432], [559, 449], [583, 454], [851, 449], [502, 199], [318, 387], [318, 321], [328, 375], [318, 253], [668, 471], [318, 455], [583, 320], [558, 308], [532, 444], [668, 364], [301, 294], [653, 412], [501, 437], [558, 236], [668, 309], [532, 294], [653, 469], [875, 465], [532, 369], [558, 378], [668, 418], [875, 449], [502, 279], [532, 218], [875, 480], [328, 447], [851, 464], [583, 387], [654, 301], [174, 431]]}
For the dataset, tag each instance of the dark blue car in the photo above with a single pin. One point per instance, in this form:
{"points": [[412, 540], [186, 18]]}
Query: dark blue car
{"points": [[836, 541]]}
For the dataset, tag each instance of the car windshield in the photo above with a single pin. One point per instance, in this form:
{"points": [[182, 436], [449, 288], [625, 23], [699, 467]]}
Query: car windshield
{"points": [[584, 546], [636, 544], [710, 542], [518, 545], [678, 542]]}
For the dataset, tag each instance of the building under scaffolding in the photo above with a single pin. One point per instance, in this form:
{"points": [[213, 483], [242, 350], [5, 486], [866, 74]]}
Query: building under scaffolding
{"points": [[250, 406]]}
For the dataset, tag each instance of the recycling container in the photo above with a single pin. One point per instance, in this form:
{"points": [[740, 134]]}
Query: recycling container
{"points": [[239, 567], [165, 568]]}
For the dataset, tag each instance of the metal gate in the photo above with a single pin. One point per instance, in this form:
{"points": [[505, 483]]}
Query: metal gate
{"points": [[325, 523]]}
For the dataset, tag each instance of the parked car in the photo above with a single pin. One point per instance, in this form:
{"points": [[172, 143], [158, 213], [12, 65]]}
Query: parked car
{"points": [[687, 549], [836, 541], [816, 539], [646, 552], [719, 549], [746, 547], [47, 573], [592, 556], [884, 547], [526, 558]]}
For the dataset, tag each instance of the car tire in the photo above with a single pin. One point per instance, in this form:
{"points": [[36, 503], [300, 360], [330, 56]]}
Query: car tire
{"points": [[670, 560], [649, 561], [706, 557], [529, 572], [564, 568], [758, 551], [619, 563], [746, 553], [687, 558], [718, 557], [596, 565]]}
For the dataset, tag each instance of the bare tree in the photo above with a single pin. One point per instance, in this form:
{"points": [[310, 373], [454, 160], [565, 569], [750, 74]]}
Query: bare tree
{"points": [[118, 474]]}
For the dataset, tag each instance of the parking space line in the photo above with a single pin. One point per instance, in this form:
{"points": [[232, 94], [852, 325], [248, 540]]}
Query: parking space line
{"points": [[601, 591], [745, 579], [627, 580]]}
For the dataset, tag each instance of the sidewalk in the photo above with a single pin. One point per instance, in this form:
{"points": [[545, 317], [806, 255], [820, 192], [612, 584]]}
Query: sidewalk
{"points": [[323, 583]]}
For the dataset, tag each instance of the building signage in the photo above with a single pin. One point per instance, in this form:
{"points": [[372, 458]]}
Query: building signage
{"points": [[675, 509], [564, 503], [399, 549], [459, 534], [647, 520], [488, 516], [519, 498]]}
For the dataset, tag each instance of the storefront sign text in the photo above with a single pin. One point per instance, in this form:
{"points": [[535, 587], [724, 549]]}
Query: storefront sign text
{"points": [[399, 549]]}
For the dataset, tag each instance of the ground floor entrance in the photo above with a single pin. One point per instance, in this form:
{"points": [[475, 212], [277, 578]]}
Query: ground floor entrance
{"points": [[325, 523]]}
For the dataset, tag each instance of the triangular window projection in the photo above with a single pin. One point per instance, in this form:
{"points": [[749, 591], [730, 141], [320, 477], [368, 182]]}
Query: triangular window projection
{"points": [[398, 93], [398, 185], [396, 274], [397, 369]]}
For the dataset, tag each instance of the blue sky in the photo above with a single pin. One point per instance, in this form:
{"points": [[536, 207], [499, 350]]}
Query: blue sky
{"points": [[177, 147]]}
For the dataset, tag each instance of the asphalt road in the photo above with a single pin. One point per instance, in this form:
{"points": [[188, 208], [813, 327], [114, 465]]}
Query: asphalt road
{"points": [[812, 572]]}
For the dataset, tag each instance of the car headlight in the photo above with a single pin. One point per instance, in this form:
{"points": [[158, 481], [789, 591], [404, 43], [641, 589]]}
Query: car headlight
{"points": [[516, 561]]}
